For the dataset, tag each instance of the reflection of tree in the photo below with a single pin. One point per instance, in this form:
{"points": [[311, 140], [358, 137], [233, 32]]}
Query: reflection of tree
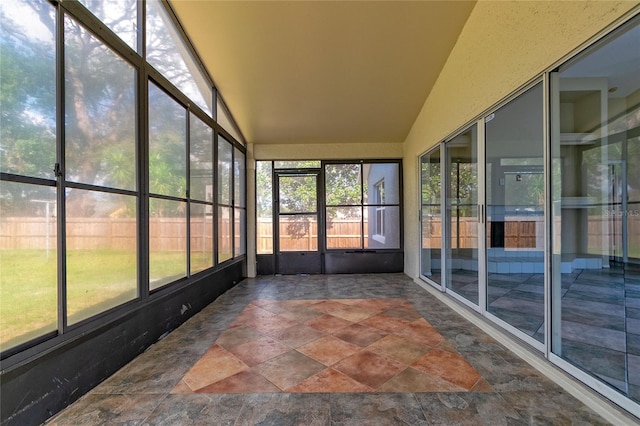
{"points": [[431, 184], [464, 186], [615, 150]]}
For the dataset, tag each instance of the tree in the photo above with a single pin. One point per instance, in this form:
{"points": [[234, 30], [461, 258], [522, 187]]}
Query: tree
{"points": [[100, 137], [27, 107], [430, 180]]}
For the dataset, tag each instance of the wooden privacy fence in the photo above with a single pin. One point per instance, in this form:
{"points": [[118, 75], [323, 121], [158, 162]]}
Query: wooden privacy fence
{"points": [[169, 234], [303, 236], [165, 234]]}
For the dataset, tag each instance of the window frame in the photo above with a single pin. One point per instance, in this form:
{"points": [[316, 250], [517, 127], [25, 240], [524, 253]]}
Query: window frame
{"points": [[144, 73], [379, 232]]}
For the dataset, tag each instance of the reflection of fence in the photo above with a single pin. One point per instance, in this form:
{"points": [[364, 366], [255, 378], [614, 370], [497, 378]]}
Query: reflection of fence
{"points": [[517, 233], [530, 233], [609, 229]]}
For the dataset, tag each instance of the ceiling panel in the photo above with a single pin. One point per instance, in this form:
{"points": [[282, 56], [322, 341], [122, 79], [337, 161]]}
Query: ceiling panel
{"points": [[323, 71]]}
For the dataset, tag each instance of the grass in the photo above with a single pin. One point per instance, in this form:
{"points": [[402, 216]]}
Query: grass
{"points": [[201, 261], [97, 280], [28, 295], [165, 267]]}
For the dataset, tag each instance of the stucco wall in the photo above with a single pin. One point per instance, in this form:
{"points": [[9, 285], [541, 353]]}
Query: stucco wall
{"points": [[503, 45]]}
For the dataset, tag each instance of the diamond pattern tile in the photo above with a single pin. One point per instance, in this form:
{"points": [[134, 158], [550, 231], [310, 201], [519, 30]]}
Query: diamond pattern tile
{"points": [[298, 387], [338, 345]]}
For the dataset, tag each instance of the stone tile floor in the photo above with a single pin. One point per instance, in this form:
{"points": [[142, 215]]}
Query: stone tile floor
{"points": [[327, 350], [334, 345]]}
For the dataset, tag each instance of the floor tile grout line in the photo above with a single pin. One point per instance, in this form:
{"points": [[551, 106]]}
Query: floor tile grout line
{"points": [[398, 301], [424, 309], [165, 397]]}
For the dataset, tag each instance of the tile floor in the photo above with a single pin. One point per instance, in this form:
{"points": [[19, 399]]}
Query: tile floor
{"points": [[333, 345], [327, 350]]}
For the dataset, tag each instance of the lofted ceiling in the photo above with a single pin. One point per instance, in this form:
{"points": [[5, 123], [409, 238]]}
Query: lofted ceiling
{"points": [[323, 71]]}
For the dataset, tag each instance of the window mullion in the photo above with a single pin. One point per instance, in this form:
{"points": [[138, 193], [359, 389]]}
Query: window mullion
{"points": [[59, 172], [143, 182]]}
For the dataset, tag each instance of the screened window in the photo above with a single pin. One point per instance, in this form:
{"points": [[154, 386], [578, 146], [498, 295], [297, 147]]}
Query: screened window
{"points": [[100, 102], [167, 144], [28, 208], [201, 194], [101, 252], [362, 205], [343, 195], [167, 241], [225, 209], [100, 150], [264, 207], [224, 119], [169, 54], [28, 83], [201, 234], [239, 216], [82, 174], [121, 16], [381, 188], [167, 177], [29, 296], [293, 164], [200, 160]]}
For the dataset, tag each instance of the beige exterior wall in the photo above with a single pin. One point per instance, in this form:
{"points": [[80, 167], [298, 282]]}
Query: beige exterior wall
{"points": [[504, 45]]}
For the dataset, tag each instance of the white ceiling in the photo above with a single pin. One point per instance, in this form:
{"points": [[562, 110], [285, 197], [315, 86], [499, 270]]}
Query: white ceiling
{"points": [[323, 71]]}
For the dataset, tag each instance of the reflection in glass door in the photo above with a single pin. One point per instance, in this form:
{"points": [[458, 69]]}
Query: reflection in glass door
{"points": [[431, 216], [461, 216], [514, 144], [595, 149], [297, 227]]}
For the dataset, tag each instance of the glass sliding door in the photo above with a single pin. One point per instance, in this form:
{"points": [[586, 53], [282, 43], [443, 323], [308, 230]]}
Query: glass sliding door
{"points": [[595, 117], [514, 142], [461, 215], [431, 216]]}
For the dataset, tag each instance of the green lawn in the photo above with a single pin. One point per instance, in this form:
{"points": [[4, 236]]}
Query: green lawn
{"points": [[97, 280], [28, 295]]}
